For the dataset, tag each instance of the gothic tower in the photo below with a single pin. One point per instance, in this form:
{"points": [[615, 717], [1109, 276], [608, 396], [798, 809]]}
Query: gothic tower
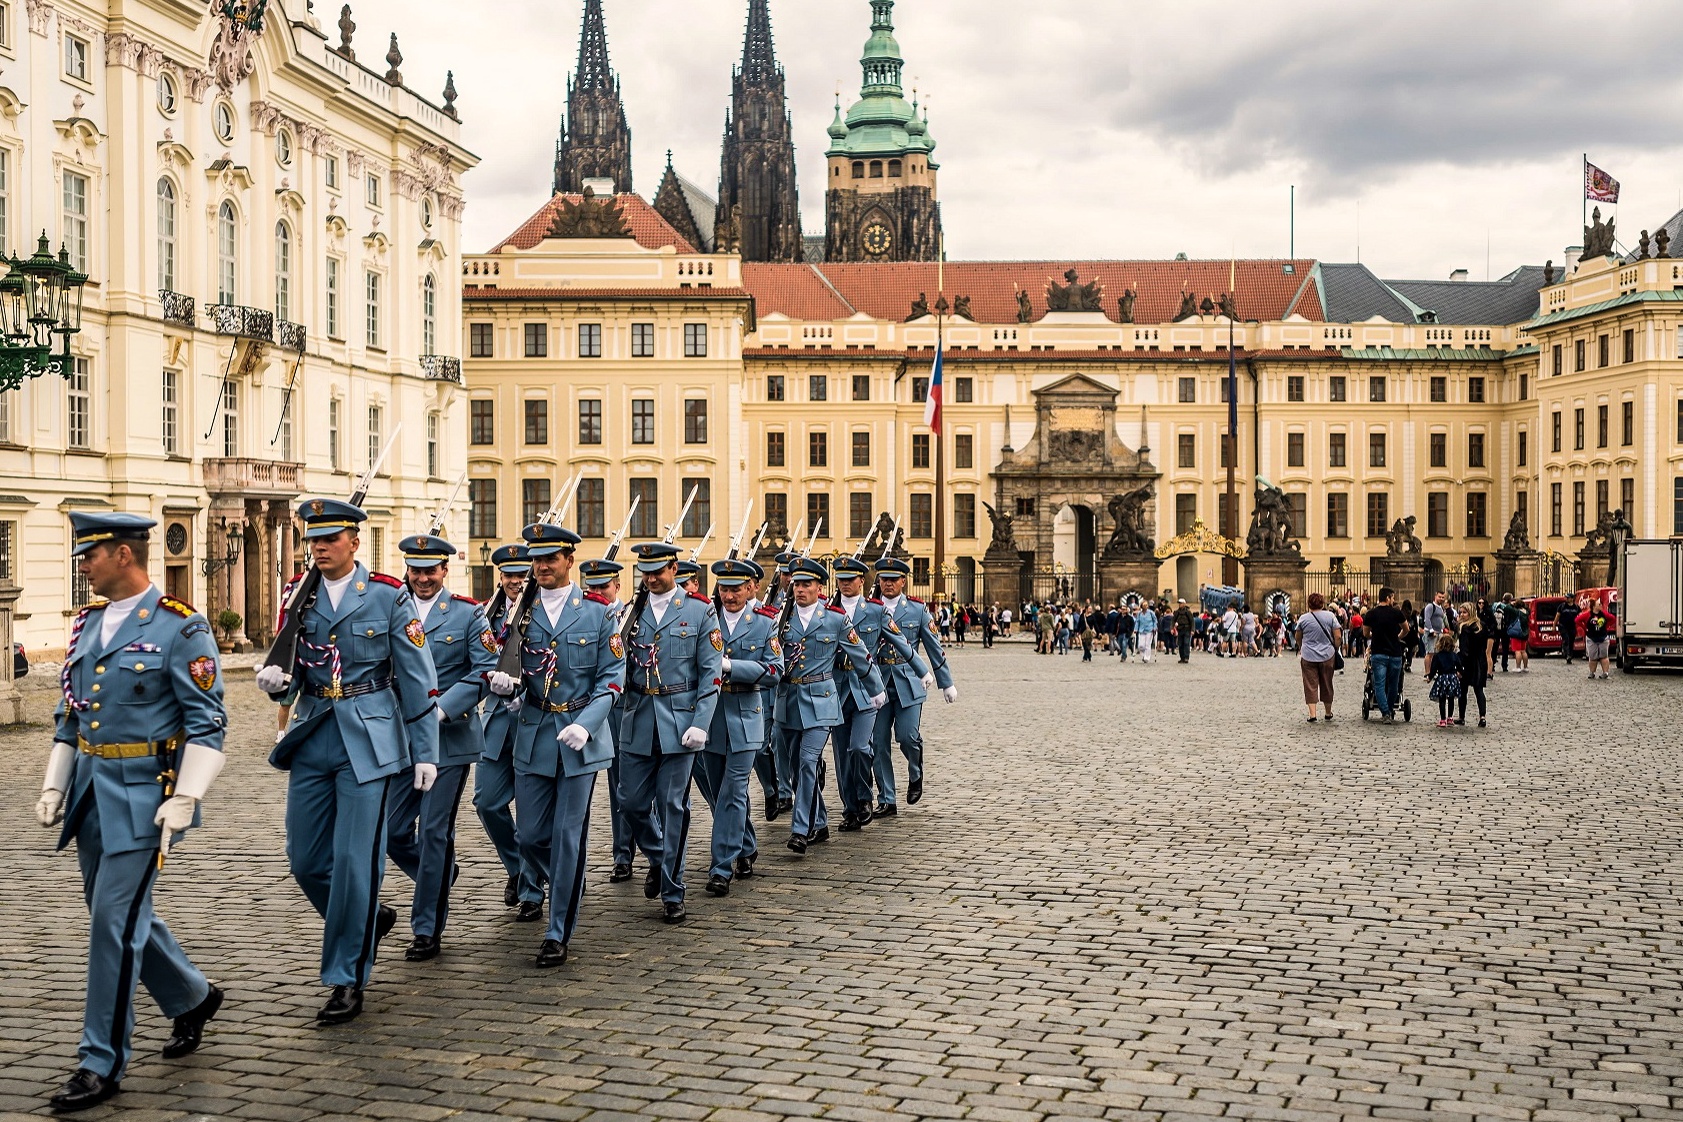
{"points": [[759, 212], [595, 141], [880, 204]]}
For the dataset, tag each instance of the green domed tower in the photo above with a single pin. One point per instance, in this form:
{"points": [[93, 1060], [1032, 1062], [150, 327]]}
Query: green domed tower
{"points": [[880, 202]]}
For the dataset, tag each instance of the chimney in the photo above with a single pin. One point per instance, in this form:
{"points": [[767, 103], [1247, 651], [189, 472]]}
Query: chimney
{"points": [[1573, 253], [1458, 275]]}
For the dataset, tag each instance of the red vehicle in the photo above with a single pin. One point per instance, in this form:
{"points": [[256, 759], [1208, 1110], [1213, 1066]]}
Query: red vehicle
{"points": [[1542, 610]]}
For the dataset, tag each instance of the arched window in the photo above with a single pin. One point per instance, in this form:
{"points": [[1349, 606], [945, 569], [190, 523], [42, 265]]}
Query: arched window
{"points": [[166, 236], [429, 315], [225, 243], [894, 169], [283, 271], [859, 169], [876, 169]]}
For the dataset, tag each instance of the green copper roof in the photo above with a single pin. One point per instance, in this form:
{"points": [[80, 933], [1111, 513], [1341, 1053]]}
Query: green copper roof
{"points": [[1427, 354], [882, 122]]}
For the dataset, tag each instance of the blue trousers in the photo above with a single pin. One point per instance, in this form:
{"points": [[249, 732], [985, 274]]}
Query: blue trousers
{"points": [[493, 799], [723, 781], [904, 724], [336, 842], [654, 791], [556, 813], [774, 781], [852, 746], [421, 840], [127, 942], [625, 838], [804, 749], [1387, 680]]}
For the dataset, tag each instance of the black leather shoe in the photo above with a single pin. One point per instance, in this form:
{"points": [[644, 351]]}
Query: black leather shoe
{"points": [[344, 1005], [84, 1089], [818, 836], [651, 883], [552, 953], [190, 1026], [851, 824], [885, 810], [797, 843], [774, 807], [784, 806], [718, 886], [511, 891], [914, 791], [530, 912], [674, 911], [744, 866], [384, 922], [423, 948], [621, 873]]}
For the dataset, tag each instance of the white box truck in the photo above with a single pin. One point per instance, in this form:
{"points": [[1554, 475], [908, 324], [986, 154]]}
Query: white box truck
{"points": [[1650, 616]]}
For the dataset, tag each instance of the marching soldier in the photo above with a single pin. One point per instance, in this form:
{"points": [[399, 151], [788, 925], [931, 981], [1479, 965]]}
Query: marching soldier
{"points": [[493, 777], [571, 666], [689, 577], [362, 693], [126, 781], [601, 577], [814, 638], [751, 668], [774, 785], [901, 719], [852, 740], [421, 828], [672, 689]]}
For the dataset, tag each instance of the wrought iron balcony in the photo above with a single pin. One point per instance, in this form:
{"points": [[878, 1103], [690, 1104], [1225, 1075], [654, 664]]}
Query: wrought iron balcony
{"points": [[242, 322], [439, 368], [253, 478], [292, 336], [178, 307]]}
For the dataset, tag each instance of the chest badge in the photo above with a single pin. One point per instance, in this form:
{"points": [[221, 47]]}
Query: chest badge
{"points": [[417, 634]]}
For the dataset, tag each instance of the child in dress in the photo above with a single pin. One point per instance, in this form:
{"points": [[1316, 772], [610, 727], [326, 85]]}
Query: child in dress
{"points": [[1444, 672]]}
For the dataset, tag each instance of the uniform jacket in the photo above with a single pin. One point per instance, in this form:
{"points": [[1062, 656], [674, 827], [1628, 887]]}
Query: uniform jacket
{"points": [[500, 714], [815, 652], [464, 651], [871, 623], [756, 668], [916, 624], [378, 637], [578, 663], [681, 654], [156, 678]]}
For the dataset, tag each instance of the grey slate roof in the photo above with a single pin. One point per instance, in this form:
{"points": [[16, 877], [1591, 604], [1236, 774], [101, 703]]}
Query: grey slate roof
{"points": [[704, 207], [1673, 226], [1352, 294], [1512, 299]]}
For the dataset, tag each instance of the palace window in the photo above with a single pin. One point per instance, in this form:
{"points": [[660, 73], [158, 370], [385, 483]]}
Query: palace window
{"points": [[1627, 496], [818, 514], [861, 449], [330, 172], [1525, 387], [922, 516], [480, 421], [1524, 447], [920, 390], [429, 315], [75, 57], [1376, 450], [166, 227], [776, 452], [1627, 423], [590, 420], [963, 390], [1578, 429], [964, 516], [1601, 350], [642, 421], [592, 504], [695, 340], [1186, 450], [283, 271], [373, 325], [1554, 509], [1188, 390], [231, 419], [79, 398], [963, 450], [480, 336], [226, 248], [695, 420], [859, 514], [1336, 455], [1475, 449], [1601, 426], [1475, 389], [371, 189], [1336, 388], [1378, 513], [1602, 500], [776, 506], [335, 455], [333, 331], [920, 450], [1578, 509], [1439, 445], [172, 412], [1578, 361], [1026, 507], [1294, 387], [1557, 426], [1437, 514], [432, 445], [1557, 361], [1478, 504], [1338, 515], [861, 387], [774, 387], [1376, 389], [590, 340], [642, 340], [376, 428], [537, 421], [1186, 512], [1294, 450], [818, 387], [646, 494], [534, 500], [1440, 388], [537, 340], [818, 449], [1299, 505], [700, 515]]}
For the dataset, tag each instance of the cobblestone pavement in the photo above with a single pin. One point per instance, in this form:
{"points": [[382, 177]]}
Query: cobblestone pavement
{"points": [[1132, 892]]}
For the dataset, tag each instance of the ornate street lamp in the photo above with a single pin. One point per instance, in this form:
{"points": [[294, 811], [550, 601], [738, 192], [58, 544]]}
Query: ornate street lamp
{"points": [[214, 565], [39, 298]]}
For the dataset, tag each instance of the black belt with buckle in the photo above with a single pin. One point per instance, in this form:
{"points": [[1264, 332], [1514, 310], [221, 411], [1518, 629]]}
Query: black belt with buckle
{"points": [[661, 690], [728, 687], [547, 706], [808, 678], [359, 689]]}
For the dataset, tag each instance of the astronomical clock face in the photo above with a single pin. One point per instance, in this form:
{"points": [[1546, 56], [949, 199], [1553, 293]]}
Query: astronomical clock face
{"points": [[877, 239]]}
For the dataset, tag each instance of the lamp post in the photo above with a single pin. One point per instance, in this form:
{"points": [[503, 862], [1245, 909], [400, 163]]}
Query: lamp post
{"points": [[39, 298], [233, 537]]}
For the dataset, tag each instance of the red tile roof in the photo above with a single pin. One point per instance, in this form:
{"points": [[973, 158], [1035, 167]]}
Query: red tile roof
{"points": [[647, 226], [1265, 290], [471, 292]]}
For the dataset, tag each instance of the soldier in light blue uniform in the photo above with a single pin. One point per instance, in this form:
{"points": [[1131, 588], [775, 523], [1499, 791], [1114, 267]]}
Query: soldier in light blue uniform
{"points": [[362, 693], [902, 717], [138, 743], [751, 668], [689, 577], [571, 666], [421, 827], [852, 742], [602, 577], [672, 688], [493, 776], [774, 785], [815, 638]]}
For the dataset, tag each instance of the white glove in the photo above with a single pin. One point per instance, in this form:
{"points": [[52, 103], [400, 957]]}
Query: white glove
{"points": [[503, 685], [693, 738], [442, 715], [574, 736], [879, 700], [280, 735], [425, 776], [950, 693], [50, 810], [272, 679], [513, 704], [175, 815], [929, 680], [724, 666]]}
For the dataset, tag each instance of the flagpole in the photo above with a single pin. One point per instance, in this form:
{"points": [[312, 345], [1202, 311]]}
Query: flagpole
{"points": [[939, 434], [1583, 195]]}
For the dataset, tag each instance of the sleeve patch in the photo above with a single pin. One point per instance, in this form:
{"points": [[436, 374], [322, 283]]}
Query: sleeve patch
{"points": [[382, 578], [179, 607], [616, 645], [717, 640], [489, 642], [203, 671], [852, 635], [776, 647], [195, 628], [417, 634]]}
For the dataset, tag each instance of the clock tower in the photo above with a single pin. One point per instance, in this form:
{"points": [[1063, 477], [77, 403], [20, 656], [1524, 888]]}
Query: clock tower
{"points": [[880, 202]]}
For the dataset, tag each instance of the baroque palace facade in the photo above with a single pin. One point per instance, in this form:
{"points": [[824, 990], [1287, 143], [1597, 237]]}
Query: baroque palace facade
{"points": [[270, 224]]}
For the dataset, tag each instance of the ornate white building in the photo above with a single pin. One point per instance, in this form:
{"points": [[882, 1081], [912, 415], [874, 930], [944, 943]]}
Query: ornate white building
{"points": [[270, 223]]}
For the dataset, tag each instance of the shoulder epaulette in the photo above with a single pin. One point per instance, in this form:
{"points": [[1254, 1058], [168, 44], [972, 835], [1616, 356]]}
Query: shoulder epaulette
{"points": [[598, 598], [703, 599], [382, 578], [769, 613], [875, 601], [468, 600], [838, 609], [179, 607], [96, 606], [914, 600]]}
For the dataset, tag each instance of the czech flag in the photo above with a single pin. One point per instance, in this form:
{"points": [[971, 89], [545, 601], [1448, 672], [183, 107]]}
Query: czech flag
{"points": [[932, 409]]}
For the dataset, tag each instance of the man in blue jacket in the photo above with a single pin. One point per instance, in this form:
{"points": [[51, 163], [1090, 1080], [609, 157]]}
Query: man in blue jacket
{"points": [[902, 718], [362, 693], [421, 827], [852, 741]]}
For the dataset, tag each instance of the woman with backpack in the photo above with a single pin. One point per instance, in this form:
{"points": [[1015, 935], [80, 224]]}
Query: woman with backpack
{"points": [[1519, 635]]}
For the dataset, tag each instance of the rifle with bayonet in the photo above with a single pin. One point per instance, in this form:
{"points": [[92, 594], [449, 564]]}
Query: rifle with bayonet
{"points": [[789, 604], [284, 652], [509, 662], [734, 552], [778, 592], [887, 549], [629, 627], [436, 526]]}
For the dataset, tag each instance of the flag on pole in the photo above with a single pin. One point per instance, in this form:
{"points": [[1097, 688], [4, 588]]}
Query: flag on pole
{"points": [[1598, 185], [932, 408]]}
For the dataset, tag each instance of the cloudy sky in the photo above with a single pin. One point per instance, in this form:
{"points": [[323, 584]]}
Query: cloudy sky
{"points": [[1435, 135]]}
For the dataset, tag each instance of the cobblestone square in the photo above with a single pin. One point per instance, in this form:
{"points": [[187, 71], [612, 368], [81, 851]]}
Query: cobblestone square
{"points": [[1130, 892]]}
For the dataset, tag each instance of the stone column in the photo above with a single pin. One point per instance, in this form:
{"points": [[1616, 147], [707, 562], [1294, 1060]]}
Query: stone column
{"points": [[1119, 576], [236, 583], [1407, 575], [1592, 568], [1001, 576], [1268, 574], [1516, 572], [11, 701]]}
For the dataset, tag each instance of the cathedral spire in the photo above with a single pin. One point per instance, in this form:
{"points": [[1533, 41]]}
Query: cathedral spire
{"points": [[593, 71], [759, 57], [758, 213], [595, 138]]}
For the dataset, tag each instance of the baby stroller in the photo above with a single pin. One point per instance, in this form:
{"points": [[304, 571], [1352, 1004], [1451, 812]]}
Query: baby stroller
{"points": [[1370, 701]]}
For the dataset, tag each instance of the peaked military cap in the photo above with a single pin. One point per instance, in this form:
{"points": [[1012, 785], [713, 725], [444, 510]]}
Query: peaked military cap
{"points": [[599, 573], [735, 571], [893, 567], [850, 567], [512, 559], [807, 568], [689, 570], [424, 551], [323, 518], [91, 529], [783, 560], [652, 557], [545, 539]]}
